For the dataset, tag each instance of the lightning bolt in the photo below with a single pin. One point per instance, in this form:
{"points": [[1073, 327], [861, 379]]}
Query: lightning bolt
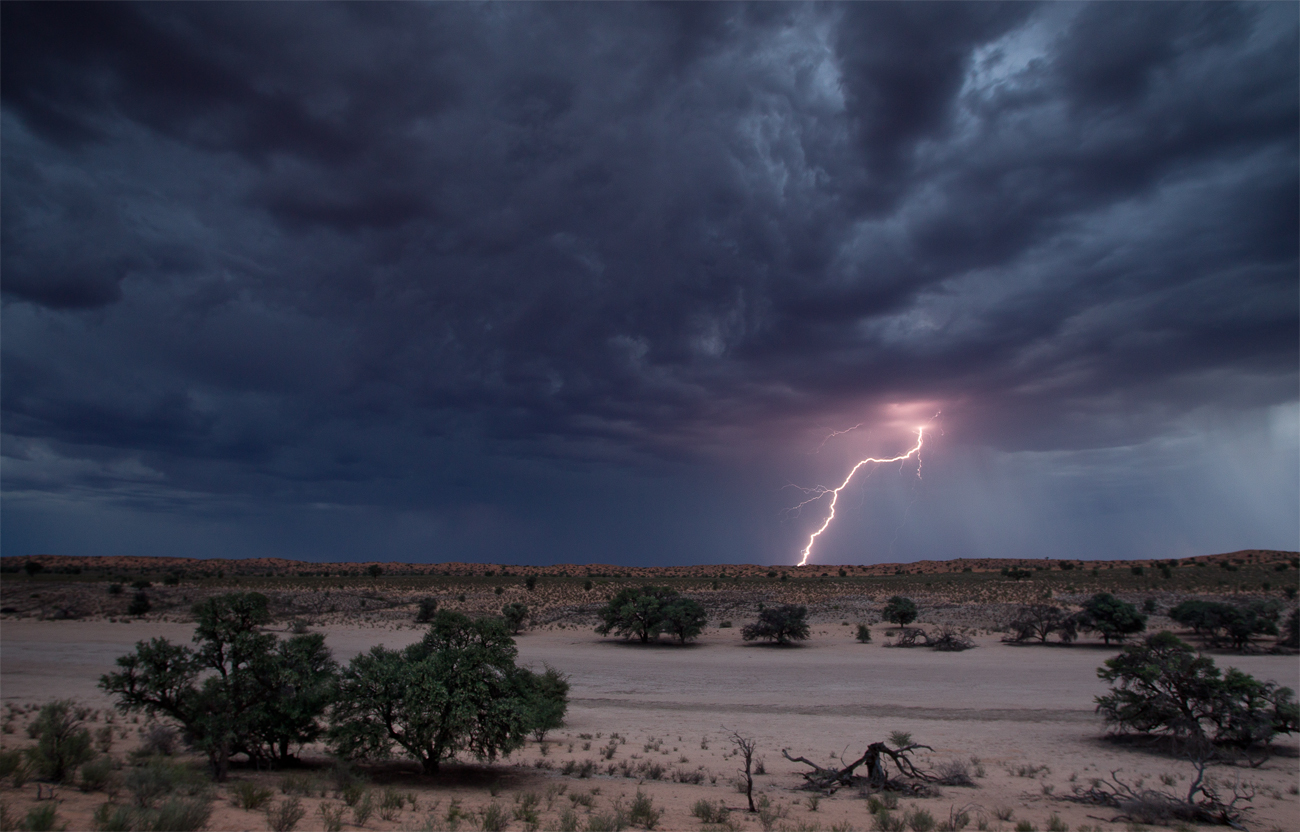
{"points": [[835, 492]]}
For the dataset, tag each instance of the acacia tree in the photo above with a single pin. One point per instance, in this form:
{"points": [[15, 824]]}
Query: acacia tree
{"points": [[515, 614], [1041, 620], [684, 618], [239, 691], [1163, 686], [783, 623], [901, 611], [1113, 618], [456, 690], [645, 612]]}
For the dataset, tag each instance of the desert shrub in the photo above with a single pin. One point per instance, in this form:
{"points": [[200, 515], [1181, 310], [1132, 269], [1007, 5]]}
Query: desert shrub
{"points": [[919, 820], [642, 811], [159, 739], [42, 818], [883, 821], [1113, 618], [97, 774], [159, 778], [180, 815], [111, 818], [331, 817], [249, 796], [949, 641], [10, 760], [709, 812], [515, 615], [494, 818], [140, 603], [899, 610], [302, 785], [783, 623], [390, 803], [63, 741], [1290, 636], [428, 607], [471, 696], [362, 809], [1162, 686], [864, 634], [284, 816]]}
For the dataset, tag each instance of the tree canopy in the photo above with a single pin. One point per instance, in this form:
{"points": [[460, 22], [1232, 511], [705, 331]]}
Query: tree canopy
{"points": [[240, 690], [456, 690], [1163, 686], [1113, 618], [645, 612], [783, 623], [901, 611]]}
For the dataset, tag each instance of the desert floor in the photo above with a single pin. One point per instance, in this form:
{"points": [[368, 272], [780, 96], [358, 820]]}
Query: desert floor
{"points": [[1020, 715]]}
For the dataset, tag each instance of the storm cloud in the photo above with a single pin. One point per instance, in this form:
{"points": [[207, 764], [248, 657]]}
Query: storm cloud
{"points": [[592, 282]]}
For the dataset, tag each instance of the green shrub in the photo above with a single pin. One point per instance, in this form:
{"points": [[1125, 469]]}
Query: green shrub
{"points": [[643, 813], [10, 761], [390, 803], [494, 818], [302, 785], [182, 815], [362, 809], [709, 812], [140, 604], [331, 817], [42, 818], [919, 820], [158, 778], [899, 610], [64, 743], [97, 774], [111, 818], [249, 796], [284, 816], [864, 634]]}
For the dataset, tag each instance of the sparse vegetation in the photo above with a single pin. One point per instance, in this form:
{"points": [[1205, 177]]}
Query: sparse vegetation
{"points": [[782, 624]]}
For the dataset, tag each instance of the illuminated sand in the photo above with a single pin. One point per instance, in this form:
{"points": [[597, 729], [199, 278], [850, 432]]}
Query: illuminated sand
{"points": [[1009, 706]]}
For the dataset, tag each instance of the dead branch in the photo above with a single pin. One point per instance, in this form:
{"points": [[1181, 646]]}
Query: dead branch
{"points": [[1137, 804], [829, 779]]}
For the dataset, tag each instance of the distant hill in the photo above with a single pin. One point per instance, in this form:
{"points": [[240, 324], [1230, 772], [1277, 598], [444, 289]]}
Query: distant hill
{"points": [[282, 566]]}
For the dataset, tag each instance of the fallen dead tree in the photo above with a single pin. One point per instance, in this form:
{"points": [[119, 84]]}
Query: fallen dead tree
{"points": [[874, 762], [947, 640], [1137, 804]]}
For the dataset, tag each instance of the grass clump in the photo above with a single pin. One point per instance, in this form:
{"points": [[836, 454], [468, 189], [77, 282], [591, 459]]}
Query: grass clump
{"points": [[249, 796], [643, 813], [284, 816]]}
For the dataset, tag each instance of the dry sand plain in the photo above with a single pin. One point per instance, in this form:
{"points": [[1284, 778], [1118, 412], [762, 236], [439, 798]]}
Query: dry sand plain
{"points": [[1011, 707]]}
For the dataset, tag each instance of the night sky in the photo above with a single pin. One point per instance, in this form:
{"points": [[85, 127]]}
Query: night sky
{"points": [[596, 283]]}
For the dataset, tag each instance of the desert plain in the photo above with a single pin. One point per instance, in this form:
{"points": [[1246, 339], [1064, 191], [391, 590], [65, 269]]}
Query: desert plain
{"points": [[656, 719]]}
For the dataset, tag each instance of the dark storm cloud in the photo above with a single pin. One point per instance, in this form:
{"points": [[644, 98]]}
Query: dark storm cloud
{"points": [[350, 253]]}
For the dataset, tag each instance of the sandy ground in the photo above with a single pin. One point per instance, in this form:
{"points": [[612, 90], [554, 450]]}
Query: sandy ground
{"points": [[1011, 707]]}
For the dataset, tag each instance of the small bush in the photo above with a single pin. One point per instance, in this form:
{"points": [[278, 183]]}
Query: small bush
{"points": [[284, 816], [249, 796], [428, 608], [96, 774], [709, 812], [643, 813], [864, 634], [919, 820], [110, 818], [494, 818], [42, 819], [390, 803], [10, 761], [182, 815], [1055, 824], [159, 739], [362, 808], [1024, 825], [140, 604], [64, 743], [331, 817], [302, 785], [158, 778]]}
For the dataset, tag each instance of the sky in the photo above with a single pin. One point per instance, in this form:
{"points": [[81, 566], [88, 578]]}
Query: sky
{"points": [[626, 283]]}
